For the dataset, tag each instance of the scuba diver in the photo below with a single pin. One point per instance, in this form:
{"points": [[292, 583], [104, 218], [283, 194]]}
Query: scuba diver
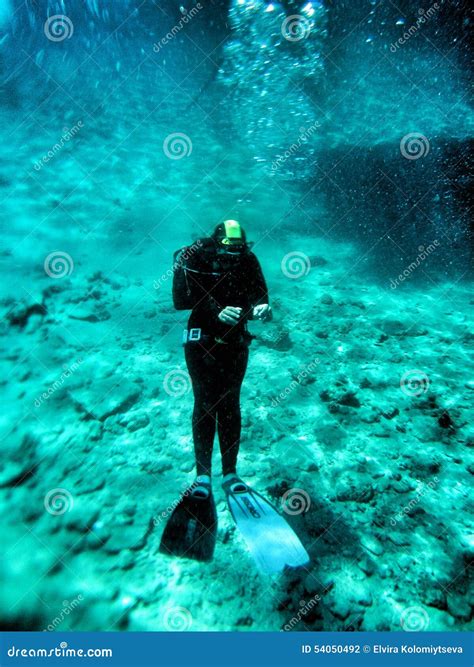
{"points": [[220, 279]]}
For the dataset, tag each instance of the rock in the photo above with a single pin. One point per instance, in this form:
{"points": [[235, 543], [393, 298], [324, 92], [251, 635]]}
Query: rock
{"points": [[136, 422], [399, 539], [350, 399], [435, 597], [350, 491], [128, 537], [372, 545], [391, 327], [445, 421], [18, 461], [366, 565], [321, 334], [327, 299], [81, 516], [98, 535], [369, 414], [276, 338], [13, 473], [317, 260], [95, 431], [316, 584], [126, 560], [405, 561], [338, 603], [106, 396], [390, 413], [360, 595], [21, 313], [244, 621], [403, 485], [458, 606], [86, 315], [88, 484]]}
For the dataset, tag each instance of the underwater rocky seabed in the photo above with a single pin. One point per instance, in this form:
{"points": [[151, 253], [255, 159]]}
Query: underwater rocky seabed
{"points": [[358, 396], [383, 465]]}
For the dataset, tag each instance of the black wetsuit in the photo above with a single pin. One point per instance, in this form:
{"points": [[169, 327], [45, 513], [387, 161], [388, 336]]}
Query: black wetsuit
{"points": [[218, 360]]}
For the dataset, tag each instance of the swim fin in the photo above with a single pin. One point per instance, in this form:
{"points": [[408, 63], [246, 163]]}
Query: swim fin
{"points": [[270, 539], [191, 530]]}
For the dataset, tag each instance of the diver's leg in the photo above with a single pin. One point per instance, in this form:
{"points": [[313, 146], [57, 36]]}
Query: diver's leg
{"points": [[201, 370], [228, 411]]}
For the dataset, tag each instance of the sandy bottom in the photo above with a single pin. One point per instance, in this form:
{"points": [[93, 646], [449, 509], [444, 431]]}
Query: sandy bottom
{"points": [[357, 408]]}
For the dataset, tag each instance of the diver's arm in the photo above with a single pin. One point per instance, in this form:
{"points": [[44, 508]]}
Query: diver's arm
{"points": [[258, 291]]}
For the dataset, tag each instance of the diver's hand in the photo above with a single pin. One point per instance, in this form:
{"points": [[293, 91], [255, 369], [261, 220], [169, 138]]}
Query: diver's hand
{"points": [[230, 315], [262, 312]]}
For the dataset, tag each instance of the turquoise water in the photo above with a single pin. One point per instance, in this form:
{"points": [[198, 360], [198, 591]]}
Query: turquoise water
{"points": [[339, 137]]}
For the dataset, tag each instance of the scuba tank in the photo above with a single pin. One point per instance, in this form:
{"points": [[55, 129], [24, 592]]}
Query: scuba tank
{"points": [[182, 296]]}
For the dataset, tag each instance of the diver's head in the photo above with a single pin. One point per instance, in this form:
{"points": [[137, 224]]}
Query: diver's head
{"points": [[230, 238]]}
